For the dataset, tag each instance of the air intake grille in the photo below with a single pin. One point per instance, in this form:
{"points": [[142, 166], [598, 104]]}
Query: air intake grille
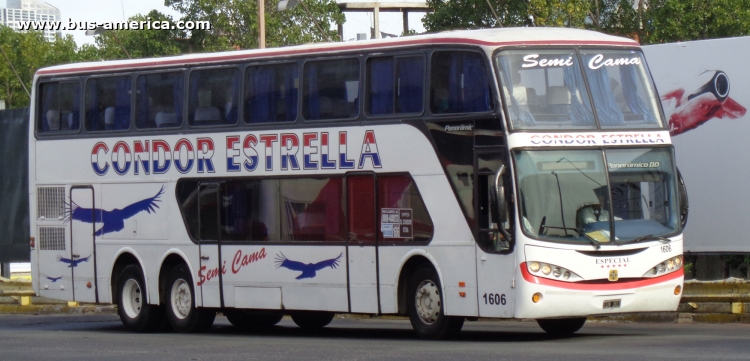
{"points": [[50, 202], [52, 238]]}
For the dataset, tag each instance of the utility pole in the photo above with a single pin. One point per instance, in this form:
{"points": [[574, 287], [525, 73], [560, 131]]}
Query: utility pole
{"points": [[261, 24]]}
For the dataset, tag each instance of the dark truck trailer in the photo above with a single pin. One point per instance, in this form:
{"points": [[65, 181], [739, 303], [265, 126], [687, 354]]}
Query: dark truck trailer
{"points": [[14, 185]]}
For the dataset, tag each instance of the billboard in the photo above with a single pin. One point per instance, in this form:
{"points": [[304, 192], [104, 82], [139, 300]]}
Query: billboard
{"points": [[705, 92]]}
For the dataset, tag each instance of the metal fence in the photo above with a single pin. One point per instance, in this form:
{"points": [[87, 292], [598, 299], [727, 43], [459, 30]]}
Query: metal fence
{"points": [[14, 185]]}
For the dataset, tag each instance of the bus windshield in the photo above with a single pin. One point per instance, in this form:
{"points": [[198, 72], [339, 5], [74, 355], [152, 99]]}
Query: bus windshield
{"points": [[565, 89], [568, 195]]}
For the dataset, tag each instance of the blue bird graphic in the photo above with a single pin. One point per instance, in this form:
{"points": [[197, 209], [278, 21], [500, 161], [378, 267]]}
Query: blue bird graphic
{"points": [[54, 279], [308, 270], [72, 262], [114, 220]]}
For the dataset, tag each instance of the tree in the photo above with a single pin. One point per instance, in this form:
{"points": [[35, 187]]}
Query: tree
{"points": [[683, 20], [142, 43], [234, 23]]}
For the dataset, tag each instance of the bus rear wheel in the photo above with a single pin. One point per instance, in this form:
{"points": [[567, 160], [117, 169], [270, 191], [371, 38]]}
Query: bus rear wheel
{"points": [[132, 302], [425, 303], [312, 320], [562, 326], [180, 299], [248, 320]]}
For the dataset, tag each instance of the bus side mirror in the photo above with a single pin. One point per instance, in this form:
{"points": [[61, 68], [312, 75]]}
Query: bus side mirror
{"points": [[684, 203], [499, 208]]}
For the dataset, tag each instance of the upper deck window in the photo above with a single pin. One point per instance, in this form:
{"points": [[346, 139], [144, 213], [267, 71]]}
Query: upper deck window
{"points": [[108, 103], [214, 94], [159, 99], [395, 85], [620, 86], [271, 93], [331, 89], [60, 107], [546, 89], [459, 83]]}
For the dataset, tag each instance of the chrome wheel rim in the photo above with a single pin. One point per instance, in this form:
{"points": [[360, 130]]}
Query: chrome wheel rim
{"points": [[427, 301], [181, 299], [131, 298]]}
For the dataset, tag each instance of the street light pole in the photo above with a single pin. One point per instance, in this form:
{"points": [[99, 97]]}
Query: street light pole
{"points": [[261, 24]]}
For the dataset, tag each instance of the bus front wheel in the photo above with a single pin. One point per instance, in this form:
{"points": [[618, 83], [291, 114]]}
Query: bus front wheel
{"points": [[562, 326], [426, 311], [180, 300], [247, 320], [132, 304], [312, 320]]}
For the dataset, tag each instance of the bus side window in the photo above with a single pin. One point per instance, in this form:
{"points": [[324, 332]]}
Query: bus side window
{"points": [[159, 99], [459, 83], [312, 209], [271, 93], [214, 94], [331, 89], [398, 90], [360, 195], [60, 105], [108, 103]]}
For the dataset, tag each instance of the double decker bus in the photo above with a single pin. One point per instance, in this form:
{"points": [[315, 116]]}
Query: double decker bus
{"points": [[501, 173]]}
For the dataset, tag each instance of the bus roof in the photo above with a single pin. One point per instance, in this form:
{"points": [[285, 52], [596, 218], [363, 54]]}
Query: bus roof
{"points": [[484, 37]]}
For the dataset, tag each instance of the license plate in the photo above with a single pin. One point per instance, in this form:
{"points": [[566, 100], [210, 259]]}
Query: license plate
{"points": [[611, 304]]}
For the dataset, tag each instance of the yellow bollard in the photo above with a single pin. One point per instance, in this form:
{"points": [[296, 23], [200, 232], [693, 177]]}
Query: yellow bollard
{"points": [[25, 300], [72, 304], [738, 307]]}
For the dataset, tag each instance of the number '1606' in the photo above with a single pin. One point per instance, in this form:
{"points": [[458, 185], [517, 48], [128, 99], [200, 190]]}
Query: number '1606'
{"points": [[494, 299]]}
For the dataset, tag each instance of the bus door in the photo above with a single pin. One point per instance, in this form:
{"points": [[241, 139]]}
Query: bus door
{"points": [[362, 248], [495, 261], [82, 257], [210, 272]]}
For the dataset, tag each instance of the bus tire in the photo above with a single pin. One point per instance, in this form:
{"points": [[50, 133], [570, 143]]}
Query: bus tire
{"points": [[312, 320], [180, 299], [425, 306], [248, 320], [561, 327], [132, 302]]}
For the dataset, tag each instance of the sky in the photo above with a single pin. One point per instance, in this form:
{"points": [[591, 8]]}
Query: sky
{"points": [[119, 10]]}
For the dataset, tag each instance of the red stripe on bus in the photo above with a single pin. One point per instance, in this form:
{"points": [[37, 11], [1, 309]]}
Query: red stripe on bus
{"points": [[455, 41], [609, 286]]}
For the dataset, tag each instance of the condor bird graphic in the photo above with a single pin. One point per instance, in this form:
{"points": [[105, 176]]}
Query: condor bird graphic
{"points": [[72, 262], [113, 220], [308, 270], [54, 279]]}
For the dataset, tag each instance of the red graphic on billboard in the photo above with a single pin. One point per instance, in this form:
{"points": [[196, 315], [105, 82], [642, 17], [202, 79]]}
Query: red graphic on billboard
{"points": [[710, 101]]}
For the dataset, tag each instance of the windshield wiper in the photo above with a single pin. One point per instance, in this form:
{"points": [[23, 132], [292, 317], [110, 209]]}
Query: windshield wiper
{"points": [[651, 237], [580, 232]]}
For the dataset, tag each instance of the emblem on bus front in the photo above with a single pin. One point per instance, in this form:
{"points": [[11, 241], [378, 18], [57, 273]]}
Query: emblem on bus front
{"points": [[613, 275]]}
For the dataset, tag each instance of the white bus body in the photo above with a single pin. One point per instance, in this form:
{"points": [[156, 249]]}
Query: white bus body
{"points": [[356, 212]]}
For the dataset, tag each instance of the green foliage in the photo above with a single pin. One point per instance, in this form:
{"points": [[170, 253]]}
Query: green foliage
{"points": [[475, 14], [234, 23], [683, 20], [143, 43], [29, 51], [565, 13]]}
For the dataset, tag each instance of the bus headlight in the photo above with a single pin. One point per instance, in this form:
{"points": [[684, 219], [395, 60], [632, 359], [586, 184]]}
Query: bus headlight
{"points": [[665, 267], [547, 270]]}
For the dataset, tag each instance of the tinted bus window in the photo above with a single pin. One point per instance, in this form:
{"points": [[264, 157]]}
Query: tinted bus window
{"points": [[331, 89], [108, 103], [213, 97], [60, 107], [395, 85], [399, 199], [271, 93], [250, 210], [459, 83], [158, 101]]}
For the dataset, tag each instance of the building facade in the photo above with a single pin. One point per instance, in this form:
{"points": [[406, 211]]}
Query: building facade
{"points": [[30, 10]]}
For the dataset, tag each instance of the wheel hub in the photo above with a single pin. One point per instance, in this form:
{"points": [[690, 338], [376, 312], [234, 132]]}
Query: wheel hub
{"points": [[181, 299], [427, 301], [131, 298]]}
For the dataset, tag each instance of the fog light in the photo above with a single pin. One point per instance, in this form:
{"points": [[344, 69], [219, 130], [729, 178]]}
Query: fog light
{"points": [[536, 297], [546, 269], [670, 264], [677, 290], [557, 272], [566, 275], [534, 266]]}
